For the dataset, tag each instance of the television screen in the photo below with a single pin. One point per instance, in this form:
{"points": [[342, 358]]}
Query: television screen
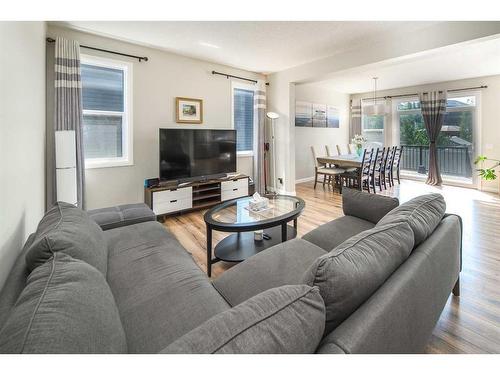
{"points": [[188, 154]]}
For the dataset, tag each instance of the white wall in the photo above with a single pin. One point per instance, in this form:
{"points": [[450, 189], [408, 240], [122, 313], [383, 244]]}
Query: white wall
{"points": [[281, 92], [489, 117], [319, 137], [156, 83], [22, 136]]}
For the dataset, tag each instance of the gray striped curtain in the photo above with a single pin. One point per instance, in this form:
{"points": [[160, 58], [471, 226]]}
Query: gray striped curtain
{"points": [[68, 103], [355, 119], [433, 107], [259, 139]]}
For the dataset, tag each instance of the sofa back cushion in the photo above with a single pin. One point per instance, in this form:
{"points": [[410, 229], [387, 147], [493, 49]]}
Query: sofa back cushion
{"points": [[422, 213], [66, 307], [66, 228], [288, 319], [349, 274], [366, 206]]}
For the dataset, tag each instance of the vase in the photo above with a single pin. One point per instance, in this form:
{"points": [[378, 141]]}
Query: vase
{"points": [[359, 150]]}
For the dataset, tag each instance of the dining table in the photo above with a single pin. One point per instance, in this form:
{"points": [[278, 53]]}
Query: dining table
{"points": [[342, 161]]}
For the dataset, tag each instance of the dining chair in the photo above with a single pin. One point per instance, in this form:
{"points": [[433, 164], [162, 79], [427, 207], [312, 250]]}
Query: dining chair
{"points": [[377, 170], [388, 165], [339, 150], [360, 177], [396, 163], [327, 172]]}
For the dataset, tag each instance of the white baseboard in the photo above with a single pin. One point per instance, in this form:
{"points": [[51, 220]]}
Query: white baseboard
{"points": [[489, 189], [306, 179]]}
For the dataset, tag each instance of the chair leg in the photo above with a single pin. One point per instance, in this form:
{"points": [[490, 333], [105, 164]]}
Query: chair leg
{"points": [[380, 182], [324, 180], [456, 288], [315, 179]]}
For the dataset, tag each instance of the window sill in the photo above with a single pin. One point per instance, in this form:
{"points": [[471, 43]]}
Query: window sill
{"points": [[244, 153], [107, 163]]}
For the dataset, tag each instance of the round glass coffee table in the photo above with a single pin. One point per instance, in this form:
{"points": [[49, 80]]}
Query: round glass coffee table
{"points": [[235, 216]]}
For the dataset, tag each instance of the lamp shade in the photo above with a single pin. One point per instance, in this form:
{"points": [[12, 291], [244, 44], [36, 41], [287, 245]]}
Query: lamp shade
{"points": [[272, 115], [375, 109]]}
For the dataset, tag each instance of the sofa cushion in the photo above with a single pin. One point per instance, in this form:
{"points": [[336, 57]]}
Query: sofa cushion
{"points": [[66, 307], [349, 274], [66, 228], [160, 291], [366, 206], [330, 235], [422, 213], [120, 216], [282, 264], [289, 319]]}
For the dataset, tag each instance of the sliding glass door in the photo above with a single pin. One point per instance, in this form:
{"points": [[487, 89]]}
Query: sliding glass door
{"points": [[455, 144]]}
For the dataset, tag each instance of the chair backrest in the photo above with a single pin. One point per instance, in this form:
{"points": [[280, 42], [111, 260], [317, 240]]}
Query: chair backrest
{"points": [[339, 150], [315, 158], [328, 151], [389, 158], [397, 156], [367, 162], [378, 160], [350, 149]]}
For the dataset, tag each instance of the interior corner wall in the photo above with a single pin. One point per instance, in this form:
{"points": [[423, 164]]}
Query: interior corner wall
{"points": [[22, 136], [319, 137], [156, 83]]}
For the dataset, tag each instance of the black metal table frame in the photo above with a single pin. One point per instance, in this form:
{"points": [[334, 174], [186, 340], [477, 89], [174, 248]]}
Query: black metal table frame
{"points": [[281, 220]]}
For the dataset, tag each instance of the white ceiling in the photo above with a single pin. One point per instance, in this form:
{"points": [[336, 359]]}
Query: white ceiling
{"points": [[469, 60], [256, 46]]}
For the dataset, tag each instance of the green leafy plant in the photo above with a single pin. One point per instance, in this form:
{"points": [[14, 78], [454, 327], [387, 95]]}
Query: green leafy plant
{"points": [[487, 174]]}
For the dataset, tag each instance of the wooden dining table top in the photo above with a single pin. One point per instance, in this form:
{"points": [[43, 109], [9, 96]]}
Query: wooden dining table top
{"points": [[349, 160]]}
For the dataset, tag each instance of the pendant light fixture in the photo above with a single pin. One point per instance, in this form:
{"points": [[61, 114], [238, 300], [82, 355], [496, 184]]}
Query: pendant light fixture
{"points": [[375, 108]]}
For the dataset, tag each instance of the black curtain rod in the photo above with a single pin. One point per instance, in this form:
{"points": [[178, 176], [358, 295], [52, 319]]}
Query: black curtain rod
{"points": [[416, 94], [140, 58], [231, 76]]}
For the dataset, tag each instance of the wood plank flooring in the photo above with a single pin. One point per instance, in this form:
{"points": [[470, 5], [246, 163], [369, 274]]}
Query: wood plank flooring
{"points": [[469, 323]]}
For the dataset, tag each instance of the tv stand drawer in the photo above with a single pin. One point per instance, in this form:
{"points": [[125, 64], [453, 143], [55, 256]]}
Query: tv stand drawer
{"points": [[234, 189], [160, 208], [175, 194]]}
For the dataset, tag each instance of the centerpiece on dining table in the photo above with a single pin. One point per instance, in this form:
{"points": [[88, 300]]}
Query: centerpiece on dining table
{"points": [[358, 141]]}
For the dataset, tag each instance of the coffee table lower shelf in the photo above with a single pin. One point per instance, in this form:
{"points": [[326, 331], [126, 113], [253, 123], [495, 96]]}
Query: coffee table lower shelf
{"points": [[240, 246]]}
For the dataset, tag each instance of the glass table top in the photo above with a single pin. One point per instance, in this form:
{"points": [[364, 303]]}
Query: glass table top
{"points": [[237, 212]]}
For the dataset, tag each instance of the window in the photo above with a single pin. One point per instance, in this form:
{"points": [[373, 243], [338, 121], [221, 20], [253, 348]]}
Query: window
{"points": [[372, 128], [243, 97], [454, 144], [107, 120]]}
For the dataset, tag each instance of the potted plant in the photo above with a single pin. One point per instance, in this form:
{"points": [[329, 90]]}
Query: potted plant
{"points": [[358, 141], [487, 174]]}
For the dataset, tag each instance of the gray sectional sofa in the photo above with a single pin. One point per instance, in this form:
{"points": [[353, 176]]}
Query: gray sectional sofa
{"points": [[373, 281]]}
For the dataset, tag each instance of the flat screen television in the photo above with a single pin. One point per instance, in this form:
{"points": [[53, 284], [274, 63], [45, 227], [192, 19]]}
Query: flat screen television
{"points": [[196, 154]]}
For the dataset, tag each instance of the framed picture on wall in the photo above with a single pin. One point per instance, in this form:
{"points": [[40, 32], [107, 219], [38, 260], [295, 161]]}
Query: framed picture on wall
{"points": [[319, 115], [303, 114], [189, 111], [332, 117]]}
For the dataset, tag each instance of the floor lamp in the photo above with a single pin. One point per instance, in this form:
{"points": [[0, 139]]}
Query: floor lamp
{"points": [[272, 116]]}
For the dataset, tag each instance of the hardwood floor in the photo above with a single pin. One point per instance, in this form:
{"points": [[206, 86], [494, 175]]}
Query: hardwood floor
{"points": [[469, 323]]}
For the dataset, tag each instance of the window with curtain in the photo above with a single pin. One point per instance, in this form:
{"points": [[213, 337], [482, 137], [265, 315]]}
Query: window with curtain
{"points": [[455, 143], [372, 128], [243, 118], [106, 112]]}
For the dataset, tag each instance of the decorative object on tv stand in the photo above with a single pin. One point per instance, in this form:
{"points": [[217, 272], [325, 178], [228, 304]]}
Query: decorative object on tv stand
{"points": [[271, 116], [358, 141], [315, 115], [189, 111], [376, 107]]}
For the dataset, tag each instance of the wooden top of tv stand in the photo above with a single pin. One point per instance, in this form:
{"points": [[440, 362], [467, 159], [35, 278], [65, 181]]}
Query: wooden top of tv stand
{"points": [[167, 185]]}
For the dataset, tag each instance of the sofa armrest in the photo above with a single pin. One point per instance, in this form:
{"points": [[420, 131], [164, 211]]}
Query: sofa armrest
{"points": [[121, 216], [366, 206]]}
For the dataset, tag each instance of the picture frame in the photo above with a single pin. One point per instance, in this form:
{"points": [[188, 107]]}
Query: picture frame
{"points": [[188, 110]]}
